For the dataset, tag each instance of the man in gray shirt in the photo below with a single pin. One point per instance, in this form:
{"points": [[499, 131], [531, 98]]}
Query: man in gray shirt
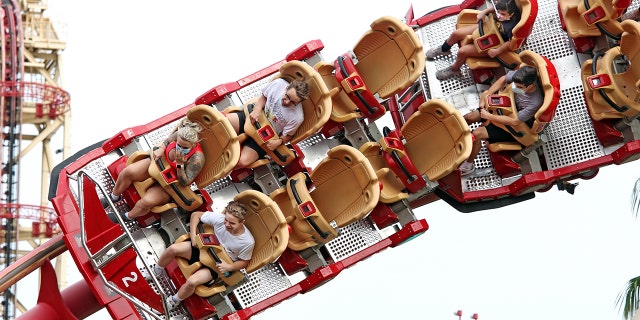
{"points": [[528, 99]]}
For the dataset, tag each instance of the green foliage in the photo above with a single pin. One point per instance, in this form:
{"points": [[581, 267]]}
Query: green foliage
{"points": [[630, 298]]}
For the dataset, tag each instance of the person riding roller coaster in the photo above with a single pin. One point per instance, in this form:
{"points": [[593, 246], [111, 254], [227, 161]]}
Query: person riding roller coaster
{"points": [[528, 99], [280, 101], [233, 235], [507, 17], [184, 154]]}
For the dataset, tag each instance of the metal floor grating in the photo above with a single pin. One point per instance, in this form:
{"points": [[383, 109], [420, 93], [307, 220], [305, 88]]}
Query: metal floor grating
{"points": [[253, 90], [263, 283], [570, 137], [547, 37], [433, 35], [353, 238]]}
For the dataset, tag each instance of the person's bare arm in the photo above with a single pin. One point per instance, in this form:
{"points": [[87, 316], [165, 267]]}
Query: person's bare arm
{"points": [[189, 170]]}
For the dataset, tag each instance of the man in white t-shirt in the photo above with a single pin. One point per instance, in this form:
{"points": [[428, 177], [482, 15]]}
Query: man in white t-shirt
{"points": [[280, 101], [233, 235]]}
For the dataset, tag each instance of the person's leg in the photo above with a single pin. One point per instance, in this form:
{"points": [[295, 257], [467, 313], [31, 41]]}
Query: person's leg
{"points": [[155, 195], [472, 117], [180, 249], [459, 34], [250, 153], [455, 37], [237, 121], [480, 134], [137, 171], [199, 277], [466, 51]]}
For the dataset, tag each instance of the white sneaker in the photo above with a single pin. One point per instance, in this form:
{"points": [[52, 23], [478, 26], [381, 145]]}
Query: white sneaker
{"points": [[157, 271], [632, 14], [467, 168], [436, 52], [446, 73], [172, 303]]}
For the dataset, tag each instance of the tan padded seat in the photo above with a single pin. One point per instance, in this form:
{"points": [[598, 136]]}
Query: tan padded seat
{"points": [[528, 13], [221, 149], [270, 232], [621, 87], [437, 140], [608, 12], [316, 108], [388, 58], [393, 190], [550, 85], [344, 189]]}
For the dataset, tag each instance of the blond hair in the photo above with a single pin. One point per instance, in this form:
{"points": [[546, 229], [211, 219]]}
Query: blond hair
{"points": [[237, 210], [188, 131]]}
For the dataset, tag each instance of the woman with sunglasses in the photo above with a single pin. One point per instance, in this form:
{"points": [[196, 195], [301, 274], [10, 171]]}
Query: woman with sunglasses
{"points": [[183, 153]]}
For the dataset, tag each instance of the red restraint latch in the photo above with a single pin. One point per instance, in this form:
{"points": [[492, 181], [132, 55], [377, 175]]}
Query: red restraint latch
{"points": [[394, 143], [499, 101], [169, 175], [266, 133], [354, 82], [594, 15], [597, 81], [307, 208], [209, 239], [488, 41]]}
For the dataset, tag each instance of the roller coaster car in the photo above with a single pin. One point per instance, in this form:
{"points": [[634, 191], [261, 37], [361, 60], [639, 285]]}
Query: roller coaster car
{"points": [[387, 59], [316, 108], [591, 18], [221, 149], [270, 232], [504, 103], [612, 80], [436, 141], [344, 189], [487, 35]]}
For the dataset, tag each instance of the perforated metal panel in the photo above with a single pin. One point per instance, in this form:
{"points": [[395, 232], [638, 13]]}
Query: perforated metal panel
{"points": [[353, 238], [547, 37], [263, 283], [315, 149], [253, 90], [570, 136], [159, 135], [434, 35]]}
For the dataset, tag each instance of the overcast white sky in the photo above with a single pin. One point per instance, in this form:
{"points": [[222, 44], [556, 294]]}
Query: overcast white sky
{"points": [[558, 256]]}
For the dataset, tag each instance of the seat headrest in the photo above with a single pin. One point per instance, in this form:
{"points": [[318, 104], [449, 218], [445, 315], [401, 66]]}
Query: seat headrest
{"points": [[549, 84]]}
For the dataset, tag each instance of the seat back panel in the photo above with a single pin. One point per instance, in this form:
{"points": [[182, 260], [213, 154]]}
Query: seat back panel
{"points": [[437, 139], [267, 224]]}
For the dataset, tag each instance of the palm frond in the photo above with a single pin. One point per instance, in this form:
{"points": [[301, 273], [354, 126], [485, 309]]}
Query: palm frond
{"points": [[635, 199], [629, 299]]}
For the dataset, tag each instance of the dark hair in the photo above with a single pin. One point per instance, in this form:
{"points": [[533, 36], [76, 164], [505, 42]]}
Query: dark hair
{"points": [[526, 75], [301, 88], [508, 6]]}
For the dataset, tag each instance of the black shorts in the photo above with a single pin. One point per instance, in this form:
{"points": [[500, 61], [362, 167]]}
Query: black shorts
{"points": [[249, 142], [195, 257], [497, 134]]}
